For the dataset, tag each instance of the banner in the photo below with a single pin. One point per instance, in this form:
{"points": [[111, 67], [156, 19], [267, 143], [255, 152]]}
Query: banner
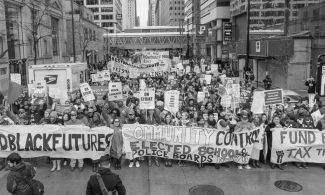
{"points": [[62, 108], [55, 141], [15, 77], [298, 145], [147, 98], [86, 92], [171, 101], [115, 91], [200, 145]]}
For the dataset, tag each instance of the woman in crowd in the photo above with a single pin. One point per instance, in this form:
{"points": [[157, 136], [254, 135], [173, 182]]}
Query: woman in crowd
{"points": [[276, 123], [168, 121], [152, 119], [117, 142], [46, 116]]}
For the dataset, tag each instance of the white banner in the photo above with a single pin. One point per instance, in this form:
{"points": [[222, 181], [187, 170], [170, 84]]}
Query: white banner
{"points": [[147, 98], [172, 101], [298, 145], [115, 91], [15, 77], [55, 141], [86, 92]]}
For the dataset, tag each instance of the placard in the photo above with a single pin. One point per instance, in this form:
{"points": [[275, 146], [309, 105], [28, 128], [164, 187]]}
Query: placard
{"points": [[214, 69], [207, 77], [143, 84], [115, 91], [171, 101], [86, 92], [106, 75], [273, 97], [147, 98]]}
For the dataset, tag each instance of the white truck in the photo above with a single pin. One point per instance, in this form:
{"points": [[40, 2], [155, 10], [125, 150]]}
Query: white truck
{"points": [[64, 76]]}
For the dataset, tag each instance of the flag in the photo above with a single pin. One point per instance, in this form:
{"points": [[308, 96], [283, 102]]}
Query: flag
{"points": [[14, 91]]}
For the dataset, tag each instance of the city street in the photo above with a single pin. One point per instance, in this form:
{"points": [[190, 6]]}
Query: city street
{"points": [[178, 180]]}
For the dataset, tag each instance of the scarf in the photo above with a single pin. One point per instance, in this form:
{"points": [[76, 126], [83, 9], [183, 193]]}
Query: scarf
{"points": [[212, 123]]}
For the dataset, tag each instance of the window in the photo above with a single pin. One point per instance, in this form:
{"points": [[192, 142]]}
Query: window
{"points": [[96, 17], [316, 14], [92, 2], [94, 35], [1, 44], [90, 35], [111, 31], [106, 2], [3, 71], [107, 24], [45, 49], [107, 17], [107, 9], [85, 33], [94, 9]]}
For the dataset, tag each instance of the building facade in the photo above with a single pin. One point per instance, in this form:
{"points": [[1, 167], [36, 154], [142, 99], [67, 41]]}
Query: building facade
{"points": [[151, 13], [105, 12], [266, 14], [129, 13], [89, 44], [213, 13], [18, 38], [169, 12]]}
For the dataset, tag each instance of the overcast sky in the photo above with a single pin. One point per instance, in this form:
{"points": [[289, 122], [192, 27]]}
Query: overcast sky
{"points": [[142, 11]]}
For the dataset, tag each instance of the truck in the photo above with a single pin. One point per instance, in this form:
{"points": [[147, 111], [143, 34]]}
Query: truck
{"points": [[64, 76]]}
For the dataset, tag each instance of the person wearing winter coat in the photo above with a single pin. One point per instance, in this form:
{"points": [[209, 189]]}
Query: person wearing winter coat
{"points": [[311, 84], [16, 185]]}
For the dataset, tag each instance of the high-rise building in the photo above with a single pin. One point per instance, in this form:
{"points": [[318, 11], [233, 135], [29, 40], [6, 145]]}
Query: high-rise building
{"points": [[138, 21], [129, 9], [266, 14], [151, 13], [169, 12], [105, 12]]}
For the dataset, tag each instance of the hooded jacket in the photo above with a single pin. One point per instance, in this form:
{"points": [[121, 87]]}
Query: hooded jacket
{"points": [[111, 181], [15, 180]]}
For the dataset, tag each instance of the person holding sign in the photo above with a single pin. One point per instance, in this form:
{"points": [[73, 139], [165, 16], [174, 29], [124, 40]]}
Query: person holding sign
{"points": [[244, 125], [276, 123]]}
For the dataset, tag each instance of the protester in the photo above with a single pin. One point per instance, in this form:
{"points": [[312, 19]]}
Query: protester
{"points": [[117, 143], [112, 182], [21, 176]]}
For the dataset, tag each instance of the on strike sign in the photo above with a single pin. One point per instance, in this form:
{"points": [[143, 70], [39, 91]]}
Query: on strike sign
{"points": [[172, 101], [86, 92], [115, 91], [147, 98]]}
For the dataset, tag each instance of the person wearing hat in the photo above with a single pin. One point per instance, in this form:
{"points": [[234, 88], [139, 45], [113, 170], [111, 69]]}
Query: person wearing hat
{"points": [[36, 114], [111, 181], [241, 126]]}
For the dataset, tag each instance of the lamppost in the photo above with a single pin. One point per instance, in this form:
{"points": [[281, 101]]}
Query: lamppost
{"points": [[73, 41]]}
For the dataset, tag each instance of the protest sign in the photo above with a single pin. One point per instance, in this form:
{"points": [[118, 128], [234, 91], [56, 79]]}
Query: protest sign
{"points": [[40, 85], [15, 77], [147, 98], [226, 101], [202, 61], [200, 96], [86, 92], [63, 96], [258, 102], [186, 62], [188, 69], [228, 81], [106, 75], [203, 67], [311, 97], [62, 108], [273, 97], [55, 141], [207, 77], [171, 101], [214, 69], [245, 95], [235, 93], [100, 91], [197, 69], [54, 92], [115, 91], [196, 144], [297, 145], [100, 76], [143, 84], [93, 77]]}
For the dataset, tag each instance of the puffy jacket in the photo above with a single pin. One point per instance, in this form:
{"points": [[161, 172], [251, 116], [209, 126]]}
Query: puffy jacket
{"points": [[16, 184]]}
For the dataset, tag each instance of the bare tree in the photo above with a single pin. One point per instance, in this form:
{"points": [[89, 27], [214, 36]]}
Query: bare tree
{"points": [[40, 23], [282, 52]]}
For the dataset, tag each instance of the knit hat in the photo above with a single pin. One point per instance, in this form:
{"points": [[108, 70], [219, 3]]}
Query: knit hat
{"points": [[304, 107]]}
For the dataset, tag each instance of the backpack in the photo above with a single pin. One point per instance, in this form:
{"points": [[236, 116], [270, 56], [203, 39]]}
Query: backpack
{"points": [[37, 186]]}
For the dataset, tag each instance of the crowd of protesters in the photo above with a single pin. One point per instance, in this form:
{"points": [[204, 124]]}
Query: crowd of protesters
{"points": [[113, 114]]}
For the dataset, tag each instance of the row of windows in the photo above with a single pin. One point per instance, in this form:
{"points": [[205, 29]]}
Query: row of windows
{"points": [[103, 9], [89, 34], [102, 2], [104, 17], [175, 8], [107, 24]]}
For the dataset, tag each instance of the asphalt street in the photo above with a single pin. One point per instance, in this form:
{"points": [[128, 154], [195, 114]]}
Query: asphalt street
{"points": [[178, 180]]}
